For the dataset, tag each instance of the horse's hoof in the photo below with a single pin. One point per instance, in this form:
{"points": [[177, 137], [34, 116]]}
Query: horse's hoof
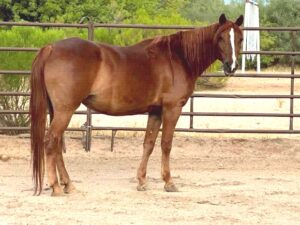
{"points": [[70, 189], [57, 194], [141, 187], [57, 191], [170, 187]]}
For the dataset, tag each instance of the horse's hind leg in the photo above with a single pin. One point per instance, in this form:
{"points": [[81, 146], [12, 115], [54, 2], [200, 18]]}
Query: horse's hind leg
{"points": [[153, 125], [63, 174], [53, 147]]}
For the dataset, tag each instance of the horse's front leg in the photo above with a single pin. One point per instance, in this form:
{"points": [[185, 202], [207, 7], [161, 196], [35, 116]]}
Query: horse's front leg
{"points": [[153, 125], [170, 118]]}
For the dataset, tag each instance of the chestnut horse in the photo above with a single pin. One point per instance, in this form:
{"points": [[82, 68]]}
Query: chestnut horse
{"points": [[155, 76]]}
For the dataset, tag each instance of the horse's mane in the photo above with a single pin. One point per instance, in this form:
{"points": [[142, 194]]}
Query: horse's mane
{"points": [[194, 47]]}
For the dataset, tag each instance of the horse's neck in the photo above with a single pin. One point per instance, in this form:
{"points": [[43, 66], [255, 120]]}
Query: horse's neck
{"points": [[197, 47]]}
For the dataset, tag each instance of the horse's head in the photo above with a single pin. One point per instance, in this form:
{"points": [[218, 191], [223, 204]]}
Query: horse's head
{"points": [[228, 40]]}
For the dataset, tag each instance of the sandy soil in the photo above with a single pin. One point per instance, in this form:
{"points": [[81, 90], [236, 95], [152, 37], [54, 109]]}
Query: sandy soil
{"points": [[222, 180]]}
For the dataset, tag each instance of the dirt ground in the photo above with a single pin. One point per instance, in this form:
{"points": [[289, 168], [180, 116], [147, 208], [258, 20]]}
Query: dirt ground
{"points": [[222, 180]]}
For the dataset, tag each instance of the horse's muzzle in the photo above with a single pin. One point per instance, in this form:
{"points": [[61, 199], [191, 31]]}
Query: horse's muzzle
{"points": [[227, 69]]}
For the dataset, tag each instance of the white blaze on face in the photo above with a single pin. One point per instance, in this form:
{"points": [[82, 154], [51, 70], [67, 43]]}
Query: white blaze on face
{"points": [[231, 34]]}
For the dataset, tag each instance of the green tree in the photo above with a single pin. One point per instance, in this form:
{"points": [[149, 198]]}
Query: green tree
{"points": [[70, 11], [200, 10], [6, 12], [283, 13]]}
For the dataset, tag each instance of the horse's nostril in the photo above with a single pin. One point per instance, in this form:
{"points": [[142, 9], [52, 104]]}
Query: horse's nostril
{"points": [[226, 66]]}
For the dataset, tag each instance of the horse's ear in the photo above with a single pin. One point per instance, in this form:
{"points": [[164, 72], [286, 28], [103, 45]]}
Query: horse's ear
{"points": [[239, 21], [222, 19]]}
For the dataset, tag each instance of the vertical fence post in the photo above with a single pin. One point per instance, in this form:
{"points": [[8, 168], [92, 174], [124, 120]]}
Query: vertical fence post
{"points": [[89, 114], [113, 134], [192, 110], [293, 45]]}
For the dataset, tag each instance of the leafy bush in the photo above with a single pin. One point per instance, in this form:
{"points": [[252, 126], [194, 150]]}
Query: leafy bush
{"points": [[14, 83]]}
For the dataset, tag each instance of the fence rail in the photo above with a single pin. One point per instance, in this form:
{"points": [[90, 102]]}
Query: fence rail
{"points": [[134, 26], [88, 128]]}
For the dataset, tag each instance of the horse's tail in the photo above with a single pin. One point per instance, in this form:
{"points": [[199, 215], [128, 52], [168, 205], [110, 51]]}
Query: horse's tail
{"points": [[38, 113]]}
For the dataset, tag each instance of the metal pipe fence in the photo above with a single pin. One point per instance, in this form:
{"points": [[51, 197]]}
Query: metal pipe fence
{"points": [[88, 127]]}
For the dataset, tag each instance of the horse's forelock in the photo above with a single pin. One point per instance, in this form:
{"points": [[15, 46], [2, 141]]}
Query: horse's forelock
{"points": [[224, 27]]}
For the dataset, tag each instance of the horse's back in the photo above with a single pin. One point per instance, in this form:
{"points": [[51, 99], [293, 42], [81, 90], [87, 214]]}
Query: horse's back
{"points": [[86, 55]]}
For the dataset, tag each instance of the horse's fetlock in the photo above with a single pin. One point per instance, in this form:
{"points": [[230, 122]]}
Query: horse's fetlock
{"points": [[165, 175]]}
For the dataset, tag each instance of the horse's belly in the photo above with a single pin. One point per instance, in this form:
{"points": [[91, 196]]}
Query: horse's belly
{"points": [[121, 105]]}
